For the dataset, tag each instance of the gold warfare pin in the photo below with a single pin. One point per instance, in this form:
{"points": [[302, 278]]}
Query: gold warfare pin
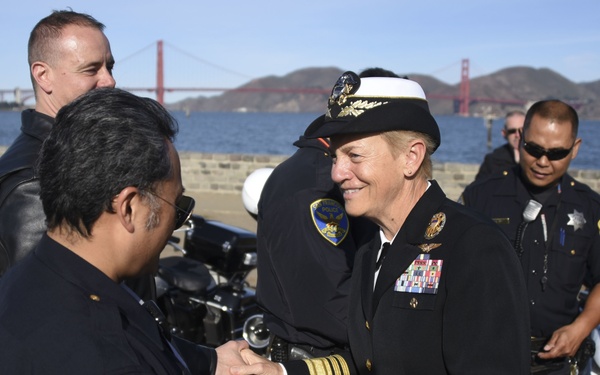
{"points": [[436, 224]]}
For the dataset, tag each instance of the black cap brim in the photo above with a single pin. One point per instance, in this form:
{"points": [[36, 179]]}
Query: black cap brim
{"points": [[409, 115]]}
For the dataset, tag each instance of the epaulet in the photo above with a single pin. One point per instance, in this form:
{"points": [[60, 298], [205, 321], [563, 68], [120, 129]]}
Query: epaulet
{"points": [[497, 175], [584, 188]]}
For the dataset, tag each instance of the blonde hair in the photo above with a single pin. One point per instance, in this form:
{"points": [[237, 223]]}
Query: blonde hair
{"points": [[398, 141]]}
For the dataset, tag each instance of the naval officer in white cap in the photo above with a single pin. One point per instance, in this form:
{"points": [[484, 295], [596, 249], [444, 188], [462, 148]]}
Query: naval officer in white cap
{"points": [[439, 289]]}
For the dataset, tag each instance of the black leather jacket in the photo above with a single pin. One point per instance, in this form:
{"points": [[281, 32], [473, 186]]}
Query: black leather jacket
{"points": [[22, 219]]}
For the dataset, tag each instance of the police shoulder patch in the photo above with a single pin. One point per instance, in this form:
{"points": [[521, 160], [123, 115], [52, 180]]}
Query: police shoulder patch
{"points": [[330, 219]]}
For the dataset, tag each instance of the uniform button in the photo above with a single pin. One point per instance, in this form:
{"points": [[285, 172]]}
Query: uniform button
{"points": [[532, 302], [367, 325], [413, 303], [573, 252], [368, 364], [536, 242], [94, 297], [533, 272]]}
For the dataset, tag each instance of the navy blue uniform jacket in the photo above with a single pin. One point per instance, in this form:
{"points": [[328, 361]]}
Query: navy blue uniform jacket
{"points": [[477, 322]]}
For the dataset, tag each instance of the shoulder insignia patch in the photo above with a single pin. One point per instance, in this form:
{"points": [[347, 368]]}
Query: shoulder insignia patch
{"points": [[330, 219]]}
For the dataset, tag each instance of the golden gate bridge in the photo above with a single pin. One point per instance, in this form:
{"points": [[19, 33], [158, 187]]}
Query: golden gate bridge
{"points": [[463, 98]]}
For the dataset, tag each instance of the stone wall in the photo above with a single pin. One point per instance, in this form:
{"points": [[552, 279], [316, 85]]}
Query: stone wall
{"points": [[226, 172]]}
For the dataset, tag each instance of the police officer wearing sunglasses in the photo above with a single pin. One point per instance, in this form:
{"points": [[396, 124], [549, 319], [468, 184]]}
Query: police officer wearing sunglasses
{"points": [[507, 155], [554, 222]]}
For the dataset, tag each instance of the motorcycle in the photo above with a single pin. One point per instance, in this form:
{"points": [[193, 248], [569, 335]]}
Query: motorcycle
{"points": [[204, 293]]}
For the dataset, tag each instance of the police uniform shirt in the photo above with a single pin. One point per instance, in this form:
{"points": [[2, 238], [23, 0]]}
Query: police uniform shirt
{"points": [[561, 247], [62, 315], [497, 161]]}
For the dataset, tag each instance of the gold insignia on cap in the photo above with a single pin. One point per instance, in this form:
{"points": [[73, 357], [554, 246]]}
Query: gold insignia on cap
{"points": [[427, 247], [346, 85], [598, 224], [94, 297], [358, 107], [436, 224]]}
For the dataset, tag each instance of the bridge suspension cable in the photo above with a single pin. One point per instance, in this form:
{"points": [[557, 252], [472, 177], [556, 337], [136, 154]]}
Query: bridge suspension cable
{"points": [[203, 61]]}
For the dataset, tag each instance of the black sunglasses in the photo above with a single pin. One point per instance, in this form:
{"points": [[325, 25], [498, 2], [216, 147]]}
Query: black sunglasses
{"points": [[184, 206], [552, 154], [511, 131]]}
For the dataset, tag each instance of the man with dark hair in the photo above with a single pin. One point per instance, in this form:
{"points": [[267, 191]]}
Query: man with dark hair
{"points": [[110, 186], [553, 221], [506, 156], [68, 55]]}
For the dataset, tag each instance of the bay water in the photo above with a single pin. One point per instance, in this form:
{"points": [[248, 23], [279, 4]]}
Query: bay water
{"points": [[464, 139]]}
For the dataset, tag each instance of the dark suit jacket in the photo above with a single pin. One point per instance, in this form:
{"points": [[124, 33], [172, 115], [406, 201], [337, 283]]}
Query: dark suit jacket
{"points": [[477, 322]]}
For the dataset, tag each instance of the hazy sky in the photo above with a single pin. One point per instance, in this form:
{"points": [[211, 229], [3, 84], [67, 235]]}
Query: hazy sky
{"points": [[227, 43]]}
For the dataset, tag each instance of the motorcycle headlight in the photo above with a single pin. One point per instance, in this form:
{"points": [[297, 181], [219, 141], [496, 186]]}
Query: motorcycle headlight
{"points": [[256, 332]]}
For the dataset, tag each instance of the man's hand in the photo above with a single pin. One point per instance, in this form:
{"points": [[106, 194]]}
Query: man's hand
{"points": [[229, 354], [564, 342], [257, 365]]}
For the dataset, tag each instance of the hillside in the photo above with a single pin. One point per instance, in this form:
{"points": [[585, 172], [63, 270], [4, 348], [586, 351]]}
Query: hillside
{"points": [[520, 84]]}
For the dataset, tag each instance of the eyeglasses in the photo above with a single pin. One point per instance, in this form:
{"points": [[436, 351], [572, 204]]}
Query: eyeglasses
{"points": [[184, 206], [511, 131], [552, 154]]}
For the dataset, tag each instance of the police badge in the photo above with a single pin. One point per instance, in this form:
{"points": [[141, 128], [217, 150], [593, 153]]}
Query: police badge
{"points": [[330, 219]]}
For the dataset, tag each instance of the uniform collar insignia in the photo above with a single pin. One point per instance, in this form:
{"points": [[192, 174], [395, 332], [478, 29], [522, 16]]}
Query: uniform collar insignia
{"points": [[577, 220], [436, 224]]}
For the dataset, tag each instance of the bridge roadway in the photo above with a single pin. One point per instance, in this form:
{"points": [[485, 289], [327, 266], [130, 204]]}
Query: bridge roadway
{"points": [[20, 96]]}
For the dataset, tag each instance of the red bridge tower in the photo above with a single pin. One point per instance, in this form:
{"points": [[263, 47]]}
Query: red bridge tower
{"points": [[464, 97]]}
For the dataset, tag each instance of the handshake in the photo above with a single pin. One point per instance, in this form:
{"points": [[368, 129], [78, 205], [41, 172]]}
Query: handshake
{"points": [[236, 358]]}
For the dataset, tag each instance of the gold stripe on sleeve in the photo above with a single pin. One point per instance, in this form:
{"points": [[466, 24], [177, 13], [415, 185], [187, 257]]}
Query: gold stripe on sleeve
{"points": [[332, 365]]}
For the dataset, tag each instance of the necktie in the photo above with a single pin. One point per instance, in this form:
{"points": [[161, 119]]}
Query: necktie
{"points": [[384, 251]]}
